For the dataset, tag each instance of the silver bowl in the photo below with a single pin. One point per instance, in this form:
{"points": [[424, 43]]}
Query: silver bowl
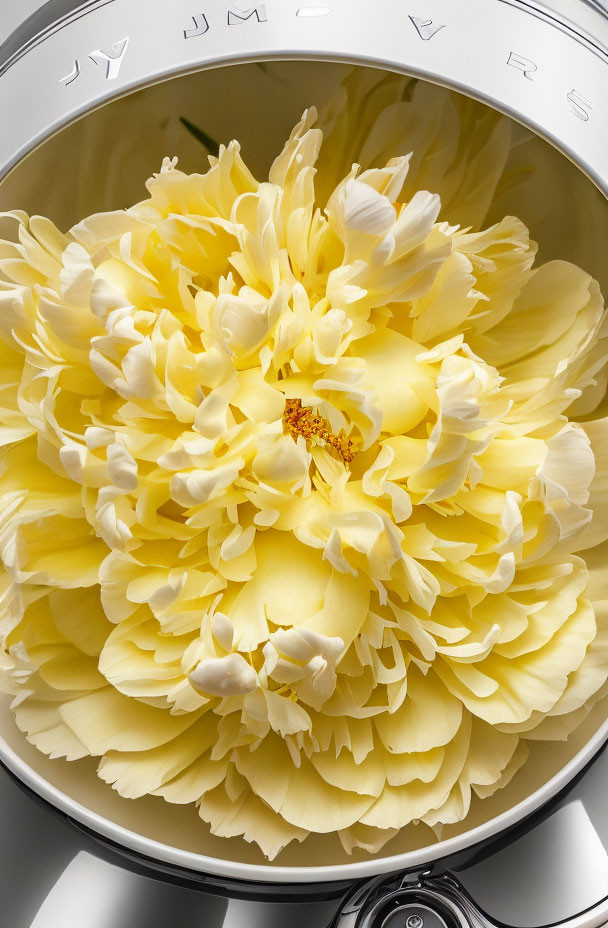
{"points": [[545, 66]]}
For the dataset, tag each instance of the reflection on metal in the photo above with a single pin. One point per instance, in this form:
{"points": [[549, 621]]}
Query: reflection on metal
{"points": [[559, 868], [93, 893], [89, 892], [443, 902]]}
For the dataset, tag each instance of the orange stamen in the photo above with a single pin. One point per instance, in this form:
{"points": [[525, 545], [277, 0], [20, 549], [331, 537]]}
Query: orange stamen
{"points": [[304, 421]]}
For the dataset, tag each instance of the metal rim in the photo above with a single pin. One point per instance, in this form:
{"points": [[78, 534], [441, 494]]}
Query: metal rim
{"points": [[29, 38]]}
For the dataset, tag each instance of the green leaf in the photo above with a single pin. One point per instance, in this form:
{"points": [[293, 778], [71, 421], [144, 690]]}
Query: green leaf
{"points": [[201, 136], [263, 66]]}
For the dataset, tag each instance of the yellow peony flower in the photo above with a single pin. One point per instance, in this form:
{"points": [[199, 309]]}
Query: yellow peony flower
{"points": [[304, 500]]}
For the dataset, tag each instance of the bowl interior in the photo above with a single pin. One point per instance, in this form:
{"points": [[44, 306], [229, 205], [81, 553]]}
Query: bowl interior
{"points": [[100, 163]]}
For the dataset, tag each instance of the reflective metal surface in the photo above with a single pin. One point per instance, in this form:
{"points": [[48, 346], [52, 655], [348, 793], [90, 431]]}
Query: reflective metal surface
{"points": [[546, 64], [54, 875], [525, 57]]}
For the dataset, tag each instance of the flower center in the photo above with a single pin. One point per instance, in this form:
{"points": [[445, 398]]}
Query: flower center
{"points": [[304, 421]]}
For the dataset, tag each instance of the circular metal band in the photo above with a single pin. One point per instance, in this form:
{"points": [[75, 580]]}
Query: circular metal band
{"points": [[516, 55]]}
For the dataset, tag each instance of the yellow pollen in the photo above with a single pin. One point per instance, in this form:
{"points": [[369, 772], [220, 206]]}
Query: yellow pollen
{"points": [[304, 421]]}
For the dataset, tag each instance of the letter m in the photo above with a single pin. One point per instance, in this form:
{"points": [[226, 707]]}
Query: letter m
{"points": [[236, 17]]}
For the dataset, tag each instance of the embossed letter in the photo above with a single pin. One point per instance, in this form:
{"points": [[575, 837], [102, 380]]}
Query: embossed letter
{"points": [[314, 11], [426, 28], [522, 64], [236, 17], [579, 105], [112, 59], [74, 73], [201, 26]]}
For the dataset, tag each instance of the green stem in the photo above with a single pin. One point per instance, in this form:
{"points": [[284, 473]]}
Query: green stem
{"points": [[201, 136]]}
